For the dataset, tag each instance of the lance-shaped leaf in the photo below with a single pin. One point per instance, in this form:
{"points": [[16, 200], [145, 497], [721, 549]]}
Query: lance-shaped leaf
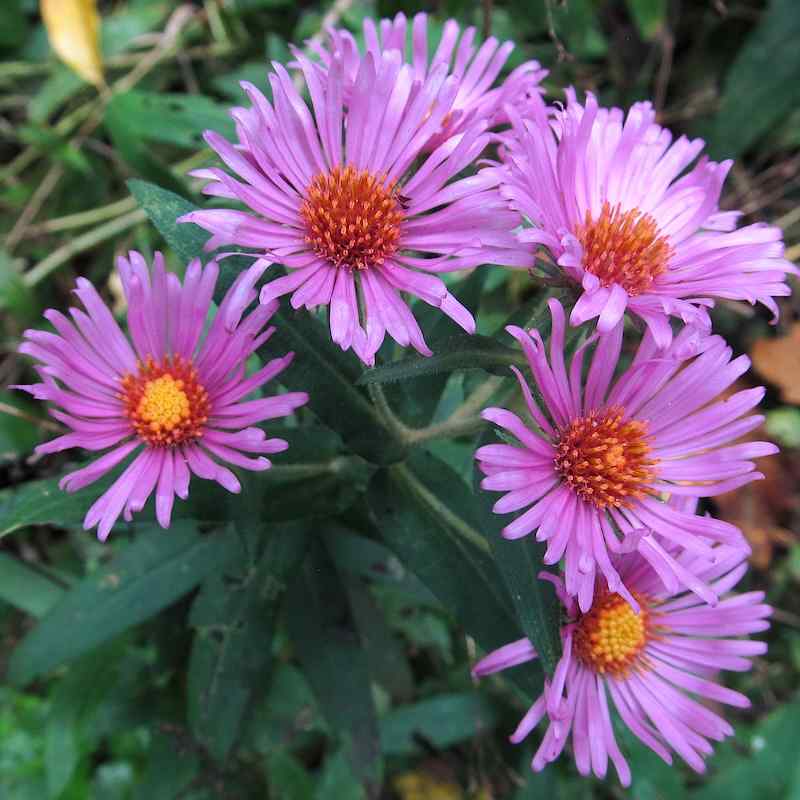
{"points": [[177, 119], [42, 502], [334, 661], [519, 563], [760, 89], [149, 574], [26, 588], [426, 513], [234, 616], [440, 722]]}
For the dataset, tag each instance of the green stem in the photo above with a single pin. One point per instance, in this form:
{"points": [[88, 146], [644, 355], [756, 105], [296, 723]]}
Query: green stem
{"points": [[465, 419], [312, 469], [393, 423], [74, 246], [439, 509], [84, 218]]}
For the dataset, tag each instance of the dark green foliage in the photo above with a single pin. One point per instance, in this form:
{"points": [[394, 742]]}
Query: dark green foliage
{"points": [[312, 637]]}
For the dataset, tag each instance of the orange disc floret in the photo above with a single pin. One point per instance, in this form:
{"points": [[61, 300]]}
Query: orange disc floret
{"points": [[352, 217], [610, 637], [605, 458], [623, 247], [165, 401]]}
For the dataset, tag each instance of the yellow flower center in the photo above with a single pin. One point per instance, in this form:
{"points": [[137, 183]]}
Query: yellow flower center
{"points": [[352, 217], [624, 248], [605, 459], [165, 402], [610, 637]]}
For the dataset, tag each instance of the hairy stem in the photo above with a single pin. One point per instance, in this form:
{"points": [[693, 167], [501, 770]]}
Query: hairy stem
{"points": [[465, 419]]}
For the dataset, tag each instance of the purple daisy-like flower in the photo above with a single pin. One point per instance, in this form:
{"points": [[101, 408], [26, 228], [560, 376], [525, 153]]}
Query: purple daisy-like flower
{"points": [[605, 452], [476, 69], [610, 198], [336, 197], [650, 662], [172, 394]]}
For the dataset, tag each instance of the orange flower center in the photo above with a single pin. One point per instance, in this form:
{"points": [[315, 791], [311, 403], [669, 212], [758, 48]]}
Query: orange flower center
{"points": [[610, 637], [352, 218], [165, 402], [604, 458], [623, 248]]}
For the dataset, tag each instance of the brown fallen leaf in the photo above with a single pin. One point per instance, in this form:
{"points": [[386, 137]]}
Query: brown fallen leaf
{"points": [[778, 360], [73, 29]]}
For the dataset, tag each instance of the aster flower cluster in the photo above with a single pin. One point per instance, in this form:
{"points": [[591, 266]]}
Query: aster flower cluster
{"points": [[402, 166]]}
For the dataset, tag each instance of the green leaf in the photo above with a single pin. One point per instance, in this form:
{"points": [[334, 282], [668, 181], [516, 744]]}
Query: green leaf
{"points": [[60, 85], [319, 368], [386, 656], [18, 434], [156, 569], [234, 616], [417, 401], [761, 770], [13, 24], [337, 781], [170, 769], [430, 518], [760, 89], [456, 352], [255, 72], [77, 694], [652, 778], [177, 119], [289, 699], [335, 663], [288, 778], [16, 298], [25, 588], [131, 145], [41, 502], [441, 722], [783, 425], [519, 563], [307, 489], [649, 16], [374, 561], [163, 208]]}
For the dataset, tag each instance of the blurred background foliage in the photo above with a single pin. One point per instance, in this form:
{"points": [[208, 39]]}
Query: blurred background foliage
{"points": [[192, 681]]}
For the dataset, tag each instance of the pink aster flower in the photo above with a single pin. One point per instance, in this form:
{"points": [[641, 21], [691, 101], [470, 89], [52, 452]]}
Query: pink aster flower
{"points": [[611, 199], [650, 662], [476, 69], [338, 197], [171, 394], [603, 452]]}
